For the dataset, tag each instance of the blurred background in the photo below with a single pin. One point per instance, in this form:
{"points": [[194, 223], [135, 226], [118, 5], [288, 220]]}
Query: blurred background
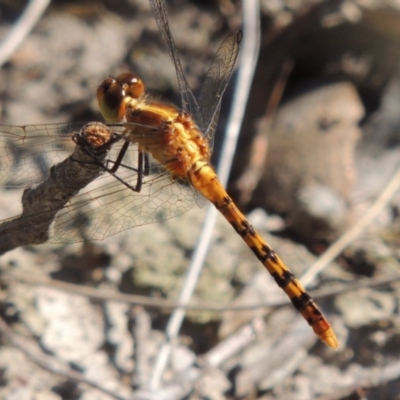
{"points": [[318, 145]]}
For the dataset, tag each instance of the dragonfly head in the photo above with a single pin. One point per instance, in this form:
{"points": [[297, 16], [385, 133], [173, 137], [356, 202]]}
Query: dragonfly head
{"points": [[113, 93]]}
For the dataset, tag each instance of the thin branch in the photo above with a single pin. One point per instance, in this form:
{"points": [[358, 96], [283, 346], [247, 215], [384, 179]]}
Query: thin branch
{"points": [[278, 361], [356, 230], [233, 344], [21, 29], [146, 301], [142, 353]]}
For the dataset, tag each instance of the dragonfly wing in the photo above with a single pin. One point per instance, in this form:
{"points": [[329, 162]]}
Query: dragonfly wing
{"points": [[189, 102], [107, 207], [28, 152], [216, 81]]}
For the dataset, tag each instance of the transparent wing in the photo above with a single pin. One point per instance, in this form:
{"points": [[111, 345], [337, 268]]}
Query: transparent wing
{"points": [[216, 81], [189, 102], [106, 206], [28, 152], [206, 111]]}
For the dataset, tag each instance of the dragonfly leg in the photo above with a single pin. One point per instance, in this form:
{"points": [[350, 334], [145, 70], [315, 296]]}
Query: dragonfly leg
{"points": [[142, 170], [121, 155], [146, 171]]}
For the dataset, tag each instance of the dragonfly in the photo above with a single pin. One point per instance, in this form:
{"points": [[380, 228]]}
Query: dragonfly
{"points": [[158, 166]]}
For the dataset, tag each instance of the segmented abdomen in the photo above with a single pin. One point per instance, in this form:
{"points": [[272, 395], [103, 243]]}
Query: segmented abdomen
{"points": [[205, 180]]}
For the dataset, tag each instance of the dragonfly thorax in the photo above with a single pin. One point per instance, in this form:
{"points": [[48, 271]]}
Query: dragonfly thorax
{"points": [[168, 134]]}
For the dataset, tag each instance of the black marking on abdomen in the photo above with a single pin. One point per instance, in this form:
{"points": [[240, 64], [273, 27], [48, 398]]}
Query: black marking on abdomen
{"points": [[234, 226], [272, 255], [247, 230], [318, 314], [284, 280], [226, 201], [269, 254], [261, 257], [302, 301]]}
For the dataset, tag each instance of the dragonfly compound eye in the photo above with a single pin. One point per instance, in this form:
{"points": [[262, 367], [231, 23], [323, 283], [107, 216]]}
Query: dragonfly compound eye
{"points": [[110, 96], [132, 84]]}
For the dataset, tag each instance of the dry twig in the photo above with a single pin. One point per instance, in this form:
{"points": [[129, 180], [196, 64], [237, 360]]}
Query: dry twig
{"points": [[22, 28], [147, 301]]}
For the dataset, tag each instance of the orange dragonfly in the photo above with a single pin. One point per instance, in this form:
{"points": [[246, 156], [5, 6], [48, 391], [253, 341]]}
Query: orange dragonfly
{"points": [[161, 162]]}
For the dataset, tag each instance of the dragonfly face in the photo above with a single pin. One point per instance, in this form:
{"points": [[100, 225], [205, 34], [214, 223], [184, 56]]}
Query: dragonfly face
{"points": [[112, 93]]}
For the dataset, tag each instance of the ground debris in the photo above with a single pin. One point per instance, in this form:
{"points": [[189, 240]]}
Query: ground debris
{"points": [[60, 343]]}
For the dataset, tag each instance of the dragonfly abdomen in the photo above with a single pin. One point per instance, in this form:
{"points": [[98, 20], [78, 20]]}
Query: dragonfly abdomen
{"points": [[205, 180]]}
